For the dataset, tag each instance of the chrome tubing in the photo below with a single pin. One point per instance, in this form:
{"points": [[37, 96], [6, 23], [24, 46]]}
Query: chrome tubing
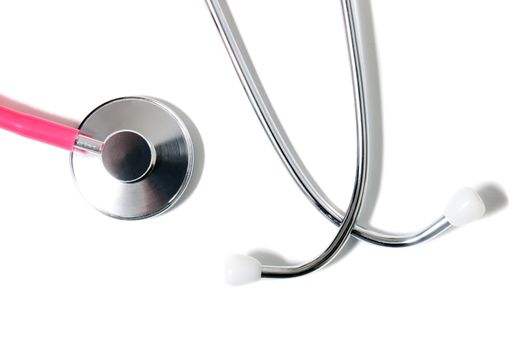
{"points": [[269, 120], [283, 147]]}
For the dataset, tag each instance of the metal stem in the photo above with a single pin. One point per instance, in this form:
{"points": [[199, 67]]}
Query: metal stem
{"points": [[87, 143]]}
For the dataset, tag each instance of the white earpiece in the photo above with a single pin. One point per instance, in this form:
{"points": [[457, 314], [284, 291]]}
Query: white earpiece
{"points": [[242, 269], [464, 207]]}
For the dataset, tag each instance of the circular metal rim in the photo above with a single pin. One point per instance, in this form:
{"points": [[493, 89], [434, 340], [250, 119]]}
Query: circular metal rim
{"points": [[189, 169]]}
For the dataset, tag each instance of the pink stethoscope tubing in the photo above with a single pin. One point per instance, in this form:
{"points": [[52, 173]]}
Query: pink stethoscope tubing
{"points": [[38, 129]]}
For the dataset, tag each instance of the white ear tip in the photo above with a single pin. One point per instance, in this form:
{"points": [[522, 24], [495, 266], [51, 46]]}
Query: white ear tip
{"points": [[464, 207], [242, 269]]}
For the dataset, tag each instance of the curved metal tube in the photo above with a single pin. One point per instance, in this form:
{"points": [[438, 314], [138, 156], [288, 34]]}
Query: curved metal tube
{"points": [[279, 141], [361, 176], [268, 118]]}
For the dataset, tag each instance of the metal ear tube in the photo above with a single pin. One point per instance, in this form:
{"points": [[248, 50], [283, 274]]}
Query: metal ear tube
{"points": [[464, 207]]}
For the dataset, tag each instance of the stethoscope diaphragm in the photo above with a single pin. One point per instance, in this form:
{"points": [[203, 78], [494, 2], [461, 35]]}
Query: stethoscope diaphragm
{"points": [[132, 157], [146, 159]]}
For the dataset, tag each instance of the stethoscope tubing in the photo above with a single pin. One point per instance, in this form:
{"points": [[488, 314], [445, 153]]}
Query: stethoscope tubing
{"points": [[284, 148]]}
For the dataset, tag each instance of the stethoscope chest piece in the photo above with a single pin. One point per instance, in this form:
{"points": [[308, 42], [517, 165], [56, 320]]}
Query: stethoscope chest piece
{"points": [[146, 159]]}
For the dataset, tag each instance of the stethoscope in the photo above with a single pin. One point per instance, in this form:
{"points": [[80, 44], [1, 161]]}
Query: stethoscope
{"points": [[134, 157]]}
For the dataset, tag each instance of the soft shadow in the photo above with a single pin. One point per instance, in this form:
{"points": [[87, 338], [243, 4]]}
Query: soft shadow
{"points": [[25, 108], [372, 86], [270, 258], [494, 198], [198, 147]]}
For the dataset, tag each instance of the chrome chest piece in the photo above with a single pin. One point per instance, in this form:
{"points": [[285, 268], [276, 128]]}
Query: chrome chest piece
{"points": [[144, 163]]}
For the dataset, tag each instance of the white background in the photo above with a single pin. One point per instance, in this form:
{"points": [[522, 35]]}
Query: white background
{"points": [[452, 85]]}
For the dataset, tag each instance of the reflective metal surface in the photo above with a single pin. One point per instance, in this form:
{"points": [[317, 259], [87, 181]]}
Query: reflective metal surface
{"points": [[147, 158], [251, 83], [89, 144], [269, 120], [128, 156]]}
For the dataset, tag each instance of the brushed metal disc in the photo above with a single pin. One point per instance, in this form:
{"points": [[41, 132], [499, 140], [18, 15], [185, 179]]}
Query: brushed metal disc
{"points": [[128, 156], [146, 163]]}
